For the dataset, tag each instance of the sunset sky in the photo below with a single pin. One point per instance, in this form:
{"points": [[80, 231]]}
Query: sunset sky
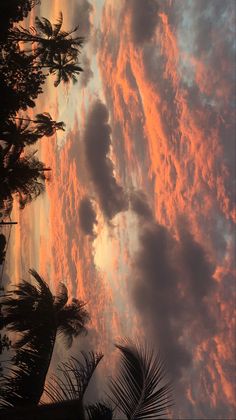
{"points": [[139, 216]]}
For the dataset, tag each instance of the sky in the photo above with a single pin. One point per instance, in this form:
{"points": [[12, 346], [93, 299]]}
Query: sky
{"points": [[138, 218]]}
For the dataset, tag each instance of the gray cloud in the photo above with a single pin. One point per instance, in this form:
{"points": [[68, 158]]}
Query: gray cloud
{"points": [[172, 281], [87, 73], [81, 16], [97, 140], [87, 216], [144, 18], [139, 204], [95, 39]]}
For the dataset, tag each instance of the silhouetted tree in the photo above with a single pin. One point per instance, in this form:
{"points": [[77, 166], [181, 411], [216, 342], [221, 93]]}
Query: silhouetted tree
{"points": [[18, 133], [38, 317], [21, 176], [25, 131], [65, 68], [20, 83], [50, 40], [139, 391], [46, 126], [13, 11]]}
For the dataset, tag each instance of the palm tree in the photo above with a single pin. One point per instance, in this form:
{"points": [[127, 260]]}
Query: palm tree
{"points": [[21, 82], [38, 317], [21, 176], [65, 68], [46, 126], [140, 390], [50, 39], [18, 133]]}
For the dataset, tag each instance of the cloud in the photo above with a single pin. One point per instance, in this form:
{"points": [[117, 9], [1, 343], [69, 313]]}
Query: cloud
{"points": [[139, 205], [81, 16], [173, 280], [87, 73], [87, 216], [144, 18], [6, 281], [111, 195]]}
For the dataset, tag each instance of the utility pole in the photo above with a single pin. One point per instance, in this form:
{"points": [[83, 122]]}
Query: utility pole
{"points": [[7, 223]]}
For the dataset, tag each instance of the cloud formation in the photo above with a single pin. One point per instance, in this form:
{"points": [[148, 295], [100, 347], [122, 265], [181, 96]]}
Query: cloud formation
{"points": [[87, 73], [81, 16], [173, 279], [180, 89], [144, 18], [87, 216], [139, 204], [97, 140]]}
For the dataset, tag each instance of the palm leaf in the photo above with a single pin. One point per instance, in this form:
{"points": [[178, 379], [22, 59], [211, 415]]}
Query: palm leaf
{"points": [[44, 117], [141, 390], [44, 26], [22, 306], [61, 298], [76, 377], [99, 411], [57, 26]]}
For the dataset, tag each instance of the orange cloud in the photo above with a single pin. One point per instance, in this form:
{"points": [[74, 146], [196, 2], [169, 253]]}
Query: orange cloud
{"points": [[183, 154]]}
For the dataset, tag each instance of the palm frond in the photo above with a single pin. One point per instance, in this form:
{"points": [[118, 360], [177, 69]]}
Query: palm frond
{"points": [[41, 285], [27, 307], [99, 411], [62, 297], [23, 383], [71, 320], [44, 26], [44, 117], [141, 390], [76, 377], [57, 26]]}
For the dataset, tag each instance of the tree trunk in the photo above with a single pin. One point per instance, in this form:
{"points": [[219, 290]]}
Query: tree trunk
{"points": [[47, 364]]}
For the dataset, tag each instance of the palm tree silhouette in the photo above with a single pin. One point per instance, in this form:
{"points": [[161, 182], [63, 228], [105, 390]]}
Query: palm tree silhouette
{"points": [[18, 133], [21, 176], [139, 391], [46, 126], [38, 317], [50, 39], [65, 68]]}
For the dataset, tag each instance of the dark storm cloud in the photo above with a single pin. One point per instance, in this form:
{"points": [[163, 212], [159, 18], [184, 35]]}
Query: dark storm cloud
{"points": [[144, 18], [139, 204], [97, 140], [81, 16], [172, 280], [87, 216], [87, 73]]}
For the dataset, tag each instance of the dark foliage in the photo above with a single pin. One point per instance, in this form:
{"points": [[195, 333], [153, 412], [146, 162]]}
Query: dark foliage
{"points": [[49, 38], [141, 389], [20, 83], [13, 11], [37, 317], [23, 177]]}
